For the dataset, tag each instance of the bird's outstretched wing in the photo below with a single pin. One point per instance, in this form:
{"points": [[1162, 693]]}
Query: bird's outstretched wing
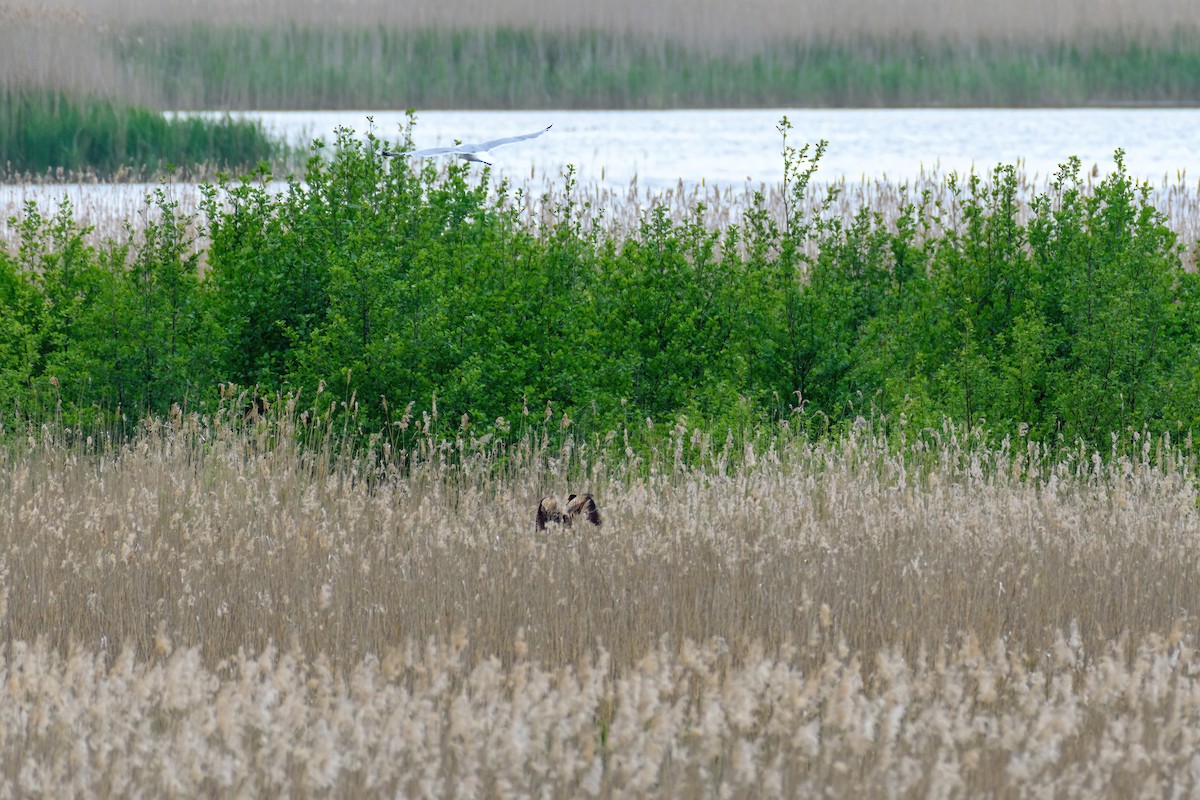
{"points": [[493, 143], [439, 151], [478, 147], [548, 511], [586, 505]]}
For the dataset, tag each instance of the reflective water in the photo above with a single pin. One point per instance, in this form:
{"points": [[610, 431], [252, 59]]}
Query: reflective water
{"points": [[728, 148], [731, 147]]}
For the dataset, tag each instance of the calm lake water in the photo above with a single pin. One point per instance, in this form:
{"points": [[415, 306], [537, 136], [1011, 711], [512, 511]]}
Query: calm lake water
{"points": [[737, 149], [731, 147]]}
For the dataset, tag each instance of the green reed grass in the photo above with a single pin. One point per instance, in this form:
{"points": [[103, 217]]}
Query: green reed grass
{"points": [[42, 131], [468, 54], [206, 67], [714, 24]]}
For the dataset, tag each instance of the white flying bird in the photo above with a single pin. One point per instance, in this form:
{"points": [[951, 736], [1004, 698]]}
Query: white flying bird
{"points": [[469, 152]]}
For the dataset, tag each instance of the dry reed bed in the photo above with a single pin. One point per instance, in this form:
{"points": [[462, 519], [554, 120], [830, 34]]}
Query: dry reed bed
{"points": [[425, 723], [212, 609], [698, 22]]}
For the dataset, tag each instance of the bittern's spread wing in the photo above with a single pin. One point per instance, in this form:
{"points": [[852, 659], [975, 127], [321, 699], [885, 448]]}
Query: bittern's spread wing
{"points": [[586, 505], [548, 511]]}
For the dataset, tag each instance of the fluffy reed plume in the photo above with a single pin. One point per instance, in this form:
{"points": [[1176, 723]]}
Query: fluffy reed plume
{"points": [[690, 721], [212, 608]]}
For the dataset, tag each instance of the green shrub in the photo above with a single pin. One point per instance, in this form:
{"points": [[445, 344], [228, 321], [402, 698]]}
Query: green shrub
{"points": [[382, 285]]}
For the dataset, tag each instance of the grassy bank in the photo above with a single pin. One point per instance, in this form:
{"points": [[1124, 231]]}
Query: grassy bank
{"points": [[213, 608], [44, 131]]}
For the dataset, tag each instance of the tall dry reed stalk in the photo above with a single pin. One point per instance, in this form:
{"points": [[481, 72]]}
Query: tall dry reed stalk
{"points": [[429, 722], [214, 608], [229, 534]]}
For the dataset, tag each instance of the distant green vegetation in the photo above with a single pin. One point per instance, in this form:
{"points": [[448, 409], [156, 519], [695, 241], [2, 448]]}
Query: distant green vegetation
{"points": [[44, 130], [289, 67], [377, 285]]}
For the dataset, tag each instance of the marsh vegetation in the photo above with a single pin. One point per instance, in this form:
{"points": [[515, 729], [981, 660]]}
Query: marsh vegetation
{"points": [[898, 482], [83, 84], [1066, 312], [233, 605], [620, 54]]}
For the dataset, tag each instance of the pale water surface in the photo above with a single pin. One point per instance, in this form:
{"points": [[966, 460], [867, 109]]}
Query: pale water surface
{"points": [[731, 147], [735, 148]]}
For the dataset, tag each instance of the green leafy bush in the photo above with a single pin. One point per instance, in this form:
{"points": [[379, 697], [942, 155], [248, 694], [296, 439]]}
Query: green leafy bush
{"points": [[385, 286]]}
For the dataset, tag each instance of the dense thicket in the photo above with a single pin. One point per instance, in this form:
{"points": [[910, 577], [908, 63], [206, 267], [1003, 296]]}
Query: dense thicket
{"points": [[373, 280], [50, 130]]}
